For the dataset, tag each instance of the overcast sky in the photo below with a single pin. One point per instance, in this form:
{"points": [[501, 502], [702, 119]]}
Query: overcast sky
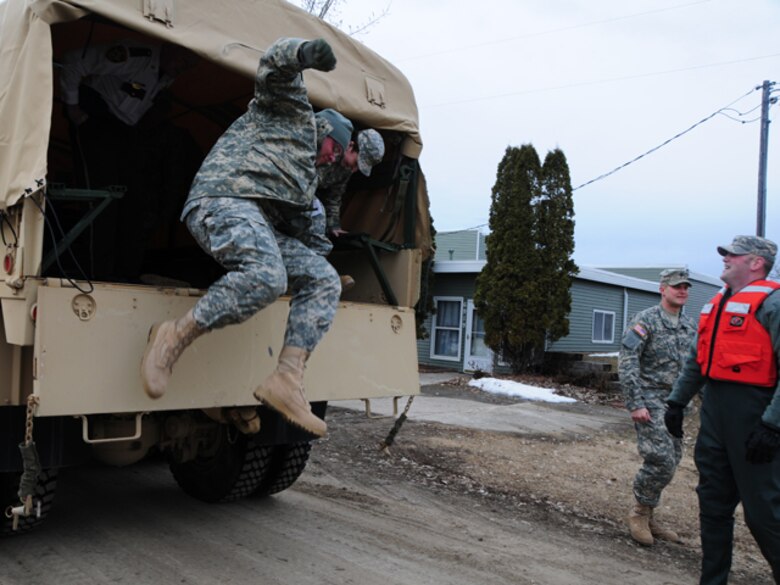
{"points": [[605, 81]]}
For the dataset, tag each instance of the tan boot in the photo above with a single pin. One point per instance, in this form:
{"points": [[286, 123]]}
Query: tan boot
{"points": [[660, 531], [347, 282], [283, 391], [166, 342], [639, 524]]}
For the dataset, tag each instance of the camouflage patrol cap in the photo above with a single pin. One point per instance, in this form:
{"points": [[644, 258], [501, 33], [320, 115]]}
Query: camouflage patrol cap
{"points": [[340, 127], [371, 149], [675, 276], [755, 245]]}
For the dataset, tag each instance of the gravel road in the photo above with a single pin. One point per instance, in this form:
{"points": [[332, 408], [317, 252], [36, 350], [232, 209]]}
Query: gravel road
{"points": [[447, 506]]}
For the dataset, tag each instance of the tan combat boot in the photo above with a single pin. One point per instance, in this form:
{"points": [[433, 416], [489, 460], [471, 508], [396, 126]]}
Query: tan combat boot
{"points": [[639, 524], [660, 531], [166, 342], [347, 282], [283, 391]]}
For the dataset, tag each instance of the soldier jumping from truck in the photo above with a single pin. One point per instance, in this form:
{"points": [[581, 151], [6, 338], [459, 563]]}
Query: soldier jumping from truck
{"points": [[247, 208]]}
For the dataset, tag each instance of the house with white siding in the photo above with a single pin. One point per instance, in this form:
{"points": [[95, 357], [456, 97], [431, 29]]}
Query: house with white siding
{"points": [[603, 300]]}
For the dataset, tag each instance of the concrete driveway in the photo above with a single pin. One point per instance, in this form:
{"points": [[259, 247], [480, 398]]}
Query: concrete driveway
{"points": [[525, 418]]}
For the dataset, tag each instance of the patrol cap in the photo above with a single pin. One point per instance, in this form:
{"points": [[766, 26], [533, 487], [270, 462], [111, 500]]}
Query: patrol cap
{"points": [[341, 128], [371, 149], [675, 276], [756, 245]]}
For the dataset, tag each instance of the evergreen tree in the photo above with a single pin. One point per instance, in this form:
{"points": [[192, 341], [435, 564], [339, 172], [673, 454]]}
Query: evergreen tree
{"points": [[554, 221], [523, 292], [503, 287]]}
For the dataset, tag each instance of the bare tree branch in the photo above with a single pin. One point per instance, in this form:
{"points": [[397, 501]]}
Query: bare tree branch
{"points": [[372, 20], [328, 10]]}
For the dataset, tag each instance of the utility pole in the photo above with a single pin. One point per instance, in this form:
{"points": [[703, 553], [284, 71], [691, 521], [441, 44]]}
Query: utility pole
{"points": [[762, 157]]}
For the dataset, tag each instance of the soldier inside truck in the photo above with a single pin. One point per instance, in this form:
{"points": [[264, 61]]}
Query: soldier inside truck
{"points": [[137, 174]]}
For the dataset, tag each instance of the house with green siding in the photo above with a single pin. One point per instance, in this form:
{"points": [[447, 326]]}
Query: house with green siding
{"points": [[603, 300]]}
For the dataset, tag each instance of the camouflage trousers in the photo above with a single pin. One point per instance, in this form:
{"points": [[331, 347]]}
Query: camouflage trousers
{"points": [[316, 237], [261, 263], [661, 454]]}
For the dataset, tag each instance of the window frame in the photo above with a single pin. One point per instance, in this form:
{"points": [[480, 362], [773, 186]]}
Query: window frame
{"points": [[435, 328], [593, 327]]}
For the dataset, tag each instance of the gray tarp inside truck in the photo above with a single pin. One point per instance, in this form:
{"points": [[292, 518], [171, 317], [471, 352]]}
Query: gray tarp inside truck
{"points": [[364, 87]]}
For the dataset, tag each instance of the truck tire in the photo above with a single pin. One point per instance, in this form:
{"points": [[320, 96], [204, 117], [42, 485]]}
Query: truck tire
{"points": [[44, 492], [234, 471], [286, 465]]}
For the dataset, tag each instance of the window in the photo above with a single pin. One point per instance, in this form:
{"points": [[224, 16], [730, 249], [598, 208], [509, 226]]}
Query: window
{"points": [[445, 342], [603, 326]]}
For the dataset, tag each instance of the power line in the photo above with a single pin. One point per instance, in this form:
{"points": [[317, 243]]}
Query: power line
{"points": [[599, 81], [550, 31], [675, 137]]}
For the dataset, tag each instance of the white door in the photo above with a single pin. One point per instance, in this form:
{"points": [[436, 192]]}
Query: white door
{"points": [[477, 355]]}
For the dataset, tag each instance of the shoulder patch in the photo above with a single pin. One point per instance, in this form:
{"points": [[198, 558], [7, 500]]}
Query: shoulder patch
{"points": [[117, 54], [640, 330]]}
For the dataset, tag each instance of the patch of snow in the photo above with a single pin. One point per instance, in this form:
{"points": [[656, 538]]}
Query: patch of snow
{"points": [[510, 388]]}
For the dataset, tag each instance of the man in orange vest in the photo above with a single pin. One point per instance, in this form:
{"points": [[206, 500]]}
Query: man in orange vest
{"points": [[735, 360]]}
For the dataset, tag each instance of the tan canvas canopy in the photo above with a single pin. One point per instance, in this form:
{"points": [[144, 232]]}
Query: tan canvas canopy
{"points": [[231, 34]]}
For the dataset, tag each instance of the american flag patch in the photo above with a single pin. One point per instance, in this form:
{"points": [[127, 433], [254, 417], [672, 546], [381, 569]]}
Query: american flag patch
{"points": [[640, 330]]}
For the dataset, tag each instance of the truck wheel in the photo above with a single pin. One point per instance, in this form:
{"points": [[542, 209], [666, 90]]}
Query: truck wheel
{"points": [[233, 471], [287, 463], [44, 492]]}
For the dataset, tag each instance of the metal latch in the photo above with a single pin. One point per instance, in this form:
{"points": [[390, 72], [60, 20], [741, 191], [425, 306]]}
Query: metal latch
{"points": [[375, 92], [85, 431], [24, 510], [159, 10], [367, 402]]}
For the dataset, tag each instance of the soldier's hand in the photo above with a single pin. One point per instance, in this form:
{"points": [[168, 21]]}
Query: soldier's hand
{"points": [[762, 444], [641, 415], [673, 419], [317, 54]]}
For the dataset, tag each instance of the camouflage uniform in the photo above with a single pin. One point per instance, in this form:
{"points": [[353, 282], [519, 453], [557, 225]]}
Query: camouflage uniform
{"points": [[248, 205], [332, 182], [651, 355]]}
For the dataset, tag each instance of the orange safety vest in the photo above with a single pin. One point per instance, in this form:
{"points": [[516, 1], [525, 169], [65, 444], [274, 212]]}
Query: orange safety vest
{"points": [[733, 346]]}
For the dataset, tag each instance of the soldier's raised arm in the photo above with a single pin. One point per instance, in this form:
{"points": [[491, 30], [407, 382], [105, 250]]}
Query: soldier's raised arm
{"points": [[279, 71]]}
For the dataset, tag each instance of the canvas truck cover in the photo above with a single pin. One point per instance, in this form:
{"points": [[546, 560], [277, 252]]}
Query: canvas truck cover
{"points": [[234, 34]]}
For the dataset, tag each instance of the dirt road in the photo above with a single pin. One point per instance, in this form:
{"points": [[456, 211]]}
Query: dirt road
{"points": [[447, 506]]}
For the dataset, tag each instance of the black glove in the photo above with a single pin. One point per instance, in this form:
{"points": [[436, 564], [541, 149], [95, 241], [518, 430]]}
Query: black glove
{"points": [[762, 444], [317, 54], [673, 418]]}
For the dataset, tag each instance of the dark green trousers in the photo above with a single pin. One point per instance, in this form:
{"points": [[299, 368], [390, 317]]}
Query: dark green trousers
{"points": [[729, 413]]}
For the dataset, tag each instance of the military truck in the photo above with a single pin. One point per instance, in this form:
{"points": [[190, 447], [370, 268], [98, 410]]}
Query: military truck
{"points": [[71, 344]]}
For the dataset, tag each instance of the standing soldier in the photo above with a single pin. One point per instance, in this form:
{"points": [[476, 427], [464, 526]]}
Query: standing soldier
{"points": [[248, 207], [654, 346], [734, 364]]}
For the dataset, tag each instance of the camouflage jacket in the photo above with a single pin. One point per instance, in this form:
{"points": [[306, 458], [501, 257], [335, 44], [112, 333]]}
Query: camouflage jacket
{"points": [[651, 354], [269, 152], [333, 179]]}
